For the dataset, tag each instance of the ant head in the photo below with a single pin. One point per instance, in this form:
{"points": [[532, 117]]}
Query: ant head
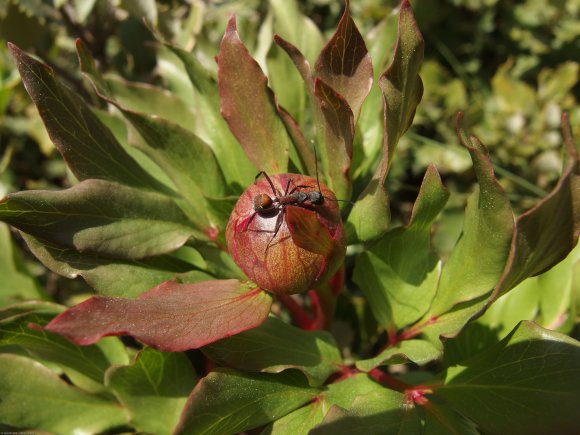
{"points": [[316, 197], [263, 203]]}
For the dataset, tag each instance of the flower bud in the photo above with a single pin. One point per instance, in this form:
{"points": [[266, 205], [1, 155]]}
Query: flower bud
{"points": [[286, 234]]}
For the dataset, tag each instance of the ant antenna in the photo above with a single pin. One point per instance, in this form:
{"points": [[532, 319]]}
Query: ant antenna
{"points": [[316, 166]]}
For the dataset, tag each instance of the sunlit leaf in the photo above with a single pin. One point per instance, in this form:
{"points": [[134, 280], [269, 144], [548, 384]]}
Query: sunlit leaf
{"points": [[171, 317]]}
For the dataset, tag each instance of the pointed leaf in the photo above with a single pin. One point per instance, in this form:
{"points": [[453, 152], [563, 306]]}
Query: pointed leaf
{"points": [[308, 232], [259, 399], [276, 346], [546, 233], [399, 273], [242, 84], [111, 276], [479, 258], [35, 398], [171, 317], [154, 389], [400, 84], [100, 217], [345, 65], [529, 382], [338, 128], [88, 147]]}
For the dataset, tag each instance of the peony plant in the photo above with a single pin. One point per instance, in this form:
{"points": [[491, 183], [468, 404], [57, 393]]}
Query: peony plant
{"points": [[219, 227]]}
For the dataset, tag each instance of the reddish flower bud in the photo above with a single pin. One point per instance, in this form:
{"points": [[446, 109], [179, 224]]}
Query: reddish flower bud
{"points": [[286, 234]]}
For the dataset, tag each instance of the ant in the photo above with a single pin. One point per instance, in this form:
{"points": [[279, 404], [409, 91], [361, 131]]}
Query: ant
{"points": [[265, 205]]}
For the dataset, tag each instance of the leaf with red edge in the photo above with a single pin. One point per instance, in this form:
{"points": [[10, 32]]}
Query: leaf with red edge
{"points": [[400, 84], [345, 65], [171, 317], [249, 106], [339, 134], [87, 145]]}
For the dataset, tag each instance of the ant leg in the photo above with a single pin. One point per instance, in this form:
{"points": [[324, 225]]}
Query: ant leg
{"points": [[279, 221], [274, 191]]}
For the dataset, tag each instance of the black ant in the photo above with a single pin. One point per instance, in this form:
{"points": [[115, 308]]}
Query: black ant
{"points": [[266, 205]]}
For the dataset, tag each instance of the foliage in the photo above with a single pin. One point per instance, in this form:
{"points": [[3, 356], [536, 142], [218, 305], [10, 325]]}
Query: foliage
{"points": [[406, 337]]}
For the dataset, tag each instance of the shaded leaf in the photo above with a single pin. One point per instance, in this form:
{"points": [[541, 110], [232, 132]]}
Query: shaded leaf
{"points": [[276, 346], [101, 217], [35, 398], [171, 317], [242, 84], [17, 282], [259, 399], [88, 147], [529, 383], [370, 216], [478, 260], [345, 65], [399, 273], [154, 389], [110, 276], [441, 419], [78, 363]]}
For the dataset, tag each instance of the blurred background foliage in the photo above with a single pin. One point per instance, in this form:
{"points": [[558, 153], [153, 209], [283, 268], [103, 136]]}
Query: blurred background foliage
{"points": [[510, 65]]}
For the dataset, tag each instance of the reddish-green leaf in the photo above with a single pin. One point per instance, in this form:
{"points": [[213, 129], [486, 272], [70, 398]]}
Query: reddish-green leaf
{"points": [[249, 106], [345, 65], [308, 231], [88, 147], [171, 317], [400, 84], [338, 126], [100, 217], [229, 402], [546, 233]]}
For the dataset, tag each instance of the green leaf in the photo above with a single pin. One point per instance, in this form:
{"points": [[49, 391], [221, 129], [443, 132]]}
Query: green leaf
{"points": [[369, 408], [154, 389], [242, 84], [441, 419], [88, 147], [259, 399], [399, 273], [77, 362], [17, 283], [417, 351], [528, 383], [370, 216], [172, 317], [35, 398], [400, 84], [100, 217], [110, 276], [276, 346], [478, 260], [345, 65]]}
